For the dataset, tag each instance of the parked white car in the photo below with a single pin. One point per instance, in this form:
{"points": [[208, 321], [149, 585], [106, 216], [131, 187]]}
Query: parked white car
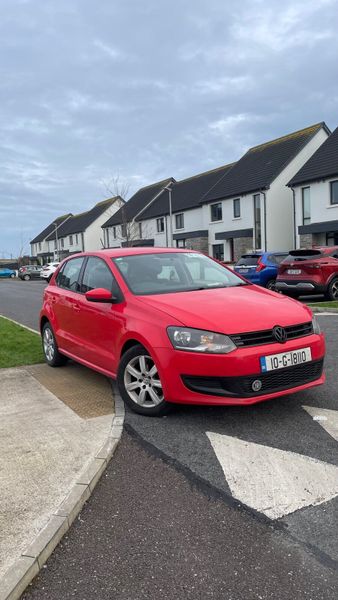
{"points": [[48, 270]]}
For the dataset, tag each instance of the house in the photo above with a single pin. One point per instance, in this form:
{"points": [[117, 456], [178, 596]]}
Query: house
{"points": [[122, 228], [251, 207], [315, 190], [80, 232], [177, 220], [40, 247]]}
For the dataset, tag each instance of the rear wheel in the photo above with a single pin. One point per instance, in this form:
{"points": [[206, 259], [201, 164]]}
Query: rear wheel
{"points": [[52, 355], [12, 276], [271, 284], [26, 277], [139, 383], [332, 290]]}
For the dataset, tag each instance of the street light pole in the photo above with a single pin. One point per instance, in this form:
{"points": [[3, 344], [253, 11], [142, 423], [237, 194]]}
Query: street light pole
{"points": [[56, 242], [169, 189]]}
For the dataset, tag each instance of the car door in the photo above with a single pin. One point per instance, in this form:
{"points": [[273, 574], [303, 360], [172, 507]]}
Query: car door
{"points": [[98, 321], [64, 299]]}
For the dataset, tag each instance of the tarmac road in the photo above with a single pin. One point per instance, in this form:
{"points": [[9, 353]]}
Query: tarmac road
{"points": [[170, 519]]}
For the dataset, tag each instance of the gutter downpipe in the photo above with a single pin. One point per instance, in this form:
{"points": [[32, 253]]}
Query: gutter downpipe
{"points": [[265, 240], [294, 218]]}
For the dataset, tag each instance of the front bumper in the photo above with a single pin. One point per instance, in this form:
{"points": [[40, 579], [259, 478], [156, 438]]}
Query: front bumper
{"points": [[188, 378]]}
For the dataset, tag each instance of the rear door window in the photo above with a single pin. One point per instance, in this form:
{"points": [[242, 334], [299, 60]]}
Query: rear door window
{"points": [[69, 277]]}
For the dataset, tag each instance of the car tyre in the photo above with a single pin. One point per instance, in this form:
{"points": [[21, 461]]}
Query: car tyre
{"points": [[26, 277], [271, 285], [12, 276], [332, 290], [139, 383], [53, 357]]}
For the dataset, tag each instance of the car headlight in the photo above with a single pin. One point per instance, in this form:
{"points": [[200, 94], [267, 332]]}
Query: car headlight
{"points": [[198, 340], [315, 325]]}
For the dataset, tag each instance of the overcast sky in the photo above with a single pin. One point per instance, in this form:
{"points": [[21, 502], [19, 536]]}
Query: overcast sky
{"points": [[148, 89]]}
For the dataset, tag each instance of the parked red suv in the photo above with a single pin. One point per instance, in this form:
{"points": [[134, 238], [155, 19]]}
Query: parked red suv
{"points": [[174, 326], [311, 271]]}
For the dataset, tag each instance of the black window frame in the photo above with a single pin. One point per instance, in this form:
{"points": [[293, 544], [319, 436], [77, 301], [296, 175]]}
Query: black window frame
{"points": [[306, 220], [216, 212], [124, 230], [332, 184], [237, 208], [70, 240], [160, 225], [178, 218], [221, 254]]}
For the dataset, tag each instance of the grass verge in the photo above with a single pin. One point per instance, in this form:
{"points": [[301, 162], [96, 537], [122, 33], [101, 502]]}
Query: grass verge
{"points": [[18, 346], [332, 304]]}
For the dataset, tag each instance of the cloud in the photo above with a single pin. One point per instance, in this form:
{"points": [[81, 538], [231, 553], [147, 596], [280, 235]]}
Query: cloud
{"points": [[89, 91]]}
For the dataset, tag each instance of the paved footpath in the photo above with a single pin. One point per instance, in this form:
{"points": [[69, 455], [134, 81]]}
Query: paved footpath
{"points": [[150, 532]]}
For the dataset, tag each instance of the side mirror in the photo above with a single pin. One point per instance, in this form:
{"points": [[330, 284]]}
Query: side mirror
{"points": [[100, 295]]}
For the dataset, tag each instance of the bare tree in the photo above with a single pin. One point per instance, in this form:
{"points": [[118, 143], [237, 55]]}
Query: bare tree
{"points": [[128, 231]]}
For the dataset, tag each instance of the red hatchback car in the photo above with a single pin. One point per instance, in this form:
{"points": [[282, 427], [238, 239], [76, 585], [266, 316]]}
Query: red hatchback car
{"points": [[174, 326], [312, 271]]}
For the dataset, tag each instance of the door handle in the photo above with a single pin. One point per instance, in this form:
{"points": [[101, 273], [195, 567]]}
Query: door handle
{"points": [[76, 308]]}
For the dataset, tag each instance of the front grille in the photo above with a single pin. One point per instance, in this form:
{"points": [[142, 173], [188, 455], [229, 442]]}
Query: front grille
{"points": [[257, 338], [241, 387]]}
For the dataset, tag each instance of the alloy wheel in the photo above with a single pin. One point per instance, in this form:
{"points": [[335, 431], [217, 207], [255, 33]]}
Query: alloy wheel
{"points": [[334, 290], [48, 344], [142, 382]]}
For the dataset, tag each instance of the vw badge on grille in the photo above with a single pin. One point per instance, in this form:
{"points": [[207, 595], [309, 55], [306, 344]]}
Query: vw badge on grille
{"points": [[279, 334], [256, 385]]}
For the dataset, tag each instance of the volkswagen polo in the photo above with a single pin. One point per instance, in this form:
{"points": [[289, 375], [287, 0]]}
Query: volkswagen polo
{"points": [[174, 326]]}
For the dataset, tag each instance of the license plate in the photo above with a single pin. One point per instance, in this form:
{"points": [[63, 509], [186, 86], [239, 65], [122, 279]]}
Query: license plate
{"points": [[285, 359], [294, 271], [243, 271]]}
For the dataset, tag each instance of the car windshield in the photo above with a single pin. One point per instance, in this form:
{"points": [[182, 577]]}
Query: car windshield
{"points": [[170, 272]]}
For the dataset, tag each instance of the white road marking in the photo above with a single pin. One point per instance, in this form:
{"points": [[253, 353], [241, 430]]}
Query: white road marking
{"points": [[272, 481], [328, 419]]}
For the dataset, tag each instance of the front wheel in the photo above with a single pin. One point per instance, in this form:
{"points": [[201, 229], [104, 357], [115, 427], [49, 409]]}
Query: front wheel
{"points": [[26, 277], [12, 276], [139, 383], [332, 290], [52, 355]]}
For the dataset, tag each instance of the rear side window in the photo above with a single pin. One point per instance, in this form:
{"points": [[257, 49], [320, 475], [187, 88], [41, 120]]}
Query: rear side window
{"points": [[248, 260], [68, 277]]}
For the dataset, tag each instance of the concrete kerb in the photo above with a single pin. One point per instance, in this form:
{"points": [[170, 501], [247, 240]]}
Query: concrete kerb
{"points": [[325, 311], [19, 576], [20, 324]]}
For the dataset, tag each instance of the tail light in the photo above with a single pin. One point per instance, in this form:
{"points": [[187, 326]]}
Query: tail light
{"points": [[260, 265]]}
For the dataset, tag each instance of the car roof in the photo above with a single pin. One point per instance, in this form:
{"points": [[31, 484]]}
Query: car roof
{"points": [[116, 252]]}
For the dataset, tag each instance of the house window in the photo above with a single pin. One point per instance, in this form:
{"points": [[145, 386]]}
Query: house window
{"points": [[179, 221], [40, 246], [306, 207], [76, 239], [114, 233], [216, 212], [218, 251], [55, 245], [332, 238], [124, 230], [62, 243], [237, 208], [334, 192], [180, 243], [70, 240], [257, 217], [140, 230], [160, 225]]}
